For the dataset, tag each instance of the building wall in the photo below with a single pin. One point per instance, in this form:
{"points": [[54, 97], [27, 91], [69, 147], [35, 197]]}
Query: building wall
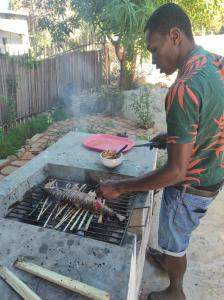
{"points": [[13, 43], [14, 36]]}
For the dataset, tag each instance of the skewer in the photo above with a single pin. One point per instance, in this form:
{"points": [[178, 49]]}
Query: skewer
{"points": [[76, 221], [82, 188], [41, 211], [46, 208], [35, 208], [83, 219], [88, 222], [48, 219], [61, 210], [65, 217], [72, 218], [68, 185], [100, 220]]}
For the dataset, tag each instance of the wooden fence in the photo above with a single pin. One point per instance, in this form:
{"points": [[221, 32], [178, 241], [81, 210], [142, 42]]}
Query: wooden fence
{"points": [[33, 86]]}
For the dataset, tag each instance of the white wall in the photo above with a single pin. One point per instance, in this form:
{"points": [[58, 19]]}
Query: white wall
{"points": [[14, 32]]}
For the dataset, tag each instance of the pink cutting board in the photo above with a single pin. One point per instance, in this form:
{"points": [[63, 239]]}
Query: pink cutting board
{"points": [[103, 142]]}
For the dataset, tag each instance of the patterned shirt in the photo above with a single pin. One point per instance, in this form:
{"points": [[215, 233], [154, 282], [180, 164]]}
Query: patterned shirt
{"points": [[195, 114]]}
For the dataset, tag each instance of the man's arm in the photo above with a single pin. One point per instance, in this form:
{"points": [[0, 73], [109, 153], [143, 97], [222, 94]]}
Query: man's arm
{"points": [[172, 172]]}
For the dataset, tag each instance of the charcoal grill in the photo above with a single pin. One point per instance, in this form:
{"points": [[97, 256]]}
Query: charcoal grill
{"points": [[110, 230]]}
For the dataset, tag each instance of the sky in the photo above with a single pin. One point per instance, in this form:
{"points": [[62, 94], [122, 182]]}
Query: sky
{"points": [[4, 4]]}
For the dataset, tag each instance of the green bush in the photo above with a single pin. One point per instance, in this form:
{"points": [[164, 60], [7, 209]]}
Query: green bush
{"points": [[59, 115], [111, 99], [141, 105], [37, 125], [11, 141]]}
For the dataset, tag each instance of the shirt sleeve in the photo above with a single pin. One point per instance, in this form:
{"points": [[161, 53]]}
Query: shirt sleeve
{"points": [[182, 114]]}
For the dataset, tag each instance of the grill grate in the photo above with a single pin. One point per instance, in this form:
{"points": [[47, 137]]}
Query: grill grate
{"points": [[84, 223]]}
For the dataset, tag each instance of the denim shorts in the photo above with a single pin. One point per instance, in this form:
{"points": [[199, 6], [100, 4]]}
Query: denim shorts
{"points": [[180, 214]]}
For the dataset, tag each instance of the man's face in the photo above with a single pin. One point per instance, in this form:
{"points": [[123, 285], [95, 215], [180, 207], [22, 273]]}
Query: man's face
{"points": [[164, 50]]}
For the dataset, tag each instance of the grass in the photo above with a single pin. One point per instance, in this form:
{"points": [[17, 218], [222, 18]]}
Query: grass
{"points": [[15, 137], [12, 140]]}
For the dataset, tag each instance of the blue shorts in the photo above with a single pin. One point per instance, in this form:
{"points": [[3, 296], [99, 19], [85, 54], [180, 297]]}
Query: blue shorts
{"points": [[180, 214]]}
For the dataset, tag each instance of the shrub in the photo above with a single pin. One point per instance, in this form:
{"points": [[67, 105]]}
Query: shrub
{"points": [[15, 137], [141, 105], [111, 99], [59, 115]]}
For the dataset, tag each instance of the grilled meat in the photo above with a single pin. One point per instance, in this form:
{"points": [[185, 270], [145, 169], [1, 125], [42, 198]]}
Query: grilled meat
{"points": [[80, 200]]}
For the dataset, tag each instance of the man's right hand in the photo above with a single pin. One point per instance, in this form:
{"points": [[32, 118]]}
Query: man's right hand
{"points": [[161, 139]]}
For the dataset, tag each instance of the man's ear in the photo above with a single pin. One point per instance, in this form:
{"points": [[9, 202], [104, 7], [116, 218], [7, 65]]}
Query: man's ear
{"points": [[175, 35]]}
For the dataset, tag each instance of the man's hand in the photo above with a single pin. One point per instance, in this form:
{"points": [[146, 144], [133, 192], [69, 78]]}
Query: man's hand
{"points": [[161, 139], [109, 189]]}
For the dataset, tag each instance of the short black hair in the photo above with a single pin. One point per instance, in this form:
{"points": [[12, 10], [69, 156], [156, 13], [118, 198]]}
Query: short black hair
{"points": [[167, 16]]}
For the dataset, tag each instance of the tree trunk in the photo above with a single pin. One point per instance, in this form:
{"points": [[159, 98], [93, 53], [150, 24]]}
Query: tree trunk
{"points": [[127, 58], [127, 72]]}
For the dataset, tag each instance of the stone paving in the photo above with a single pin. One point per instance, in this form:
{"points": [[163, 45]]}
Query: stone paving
{"points": [[91, 124]]}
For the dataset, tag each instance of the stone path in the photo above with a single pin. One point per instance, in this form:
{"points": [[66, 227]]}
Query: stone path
{"points": [[92, 124]]}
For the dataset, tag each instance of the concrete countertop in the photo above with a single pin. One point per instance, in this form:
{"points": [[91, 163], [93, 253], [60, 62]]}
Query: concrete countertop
{"points": [[70, 151], [80, 258]]}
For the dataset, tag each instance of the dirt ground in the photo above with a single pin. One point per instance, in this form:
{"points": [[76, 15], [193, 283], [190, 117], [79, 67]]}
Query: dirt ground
{"points": [[204, 279]]}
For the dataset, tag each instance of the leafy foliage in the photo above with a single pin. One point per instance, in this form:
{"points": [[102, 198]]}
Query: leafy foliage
{"points": [[10, 105], [59, 114], [111, 99], [11, 141], [205, 15], [141, 105], [119, 21]]}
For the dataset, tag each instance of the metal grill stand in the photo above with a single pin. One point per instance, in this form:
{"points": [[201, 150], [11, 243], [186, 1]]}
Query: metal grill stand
{"points": [[37, 208]]}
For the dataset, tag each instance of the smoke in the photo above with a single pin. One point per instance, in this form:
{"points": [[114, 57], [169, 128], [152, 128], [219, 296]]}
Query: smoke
{"points": [[79, 77]]}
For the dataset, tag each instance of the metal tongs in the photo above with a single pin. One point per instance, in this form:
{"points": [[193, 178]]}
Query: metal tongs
{"points": [[149, 144]]}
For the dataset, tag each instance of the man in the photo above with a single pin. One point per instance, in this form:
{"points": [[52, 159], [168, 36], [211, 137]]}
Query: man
{"points": [[194, 170]]}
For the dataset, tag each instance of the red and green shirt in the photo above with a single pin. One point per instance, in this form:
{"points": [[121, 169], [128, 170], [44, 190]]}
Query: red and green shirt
{"points": [[195, 114]]}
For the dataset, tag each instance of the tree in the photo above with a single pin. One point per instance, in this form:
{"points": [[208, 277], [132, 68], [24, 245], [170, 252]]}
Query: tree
{"points": [[206, 15], [120, 21], [38, 38]]}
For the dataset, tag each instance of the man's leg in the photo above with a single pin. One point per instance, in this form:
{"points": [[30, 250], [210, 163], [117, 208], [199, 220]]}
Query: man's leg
{"points": [[176, 267], [157, 260], [180, 215]]}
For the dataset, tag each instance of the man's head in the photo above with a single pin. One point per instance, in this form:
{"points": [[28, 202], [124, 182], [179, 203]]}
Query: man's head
{"points": [[168, 35]]}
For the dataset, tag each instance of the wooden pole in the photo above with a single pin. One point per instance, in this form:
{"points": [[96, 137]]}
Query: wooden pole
{"points": [[61, 280], [20, 287]]}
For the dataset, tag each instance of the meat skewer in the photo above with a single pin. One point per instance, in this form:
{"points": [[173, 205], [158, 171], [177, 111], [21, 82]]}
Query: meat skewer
{"points": [[100, 220], [79, 199], [72, 218]]}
